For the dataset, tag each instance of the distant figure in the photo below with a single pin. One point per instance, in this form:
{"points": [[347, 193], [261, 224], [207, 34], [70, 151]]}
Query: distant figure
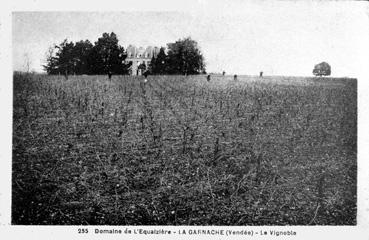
{"points": [[261, 74], [235, 77], [208, 78], [66, 74], [223, 73], [145, 75], [110, 74]]}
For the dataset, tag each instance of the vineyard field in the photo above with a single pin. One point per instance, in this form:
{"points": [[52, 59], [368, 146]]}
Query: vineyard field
{"points": [[180, 150]]}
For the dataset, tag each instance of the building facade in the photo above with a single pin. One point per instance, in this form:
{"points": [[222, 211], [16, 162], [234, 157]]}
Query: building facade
{"points": [[140, 56]]}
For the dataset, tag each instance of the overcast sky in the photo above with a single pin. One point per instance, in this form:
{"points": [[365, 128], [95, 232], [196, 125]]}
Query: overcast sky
{"points": [[282, 38]]}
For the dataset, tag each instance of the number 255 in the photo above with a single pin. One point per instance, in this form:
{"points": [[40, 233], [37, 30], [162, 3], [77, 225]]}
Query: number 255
{"points": [[82, 230]]}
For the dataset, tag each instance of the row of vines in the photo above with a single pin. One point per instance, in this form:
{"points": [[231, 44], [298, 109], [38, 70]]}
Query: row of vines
{"points": [[179, 150]]}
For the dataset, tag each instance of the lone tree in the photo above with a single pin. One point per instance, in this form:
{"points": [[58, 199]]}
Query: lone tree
{"points": [[322, 69], [27, 62], [184, 57]]}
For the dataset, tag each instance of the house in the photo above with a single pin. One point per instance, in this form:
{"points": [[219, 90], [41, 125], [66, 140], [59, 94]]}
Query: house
{"points": [[140, 56]]}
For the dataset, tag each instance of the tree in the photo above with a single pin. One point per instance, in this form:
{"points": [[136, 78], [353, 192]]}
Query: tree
{"points": [[185, 57], [105, 57], [27, 62], [65, 58], [51, 66], [81, 53], [109, 55], [95, 63], [158, 65], [322, 69], [153, 66]]}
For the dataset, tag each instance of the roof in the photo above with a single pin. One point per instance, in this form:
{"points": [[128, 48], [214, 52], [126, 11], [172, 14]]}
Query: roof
{"points": [[134, 52]]}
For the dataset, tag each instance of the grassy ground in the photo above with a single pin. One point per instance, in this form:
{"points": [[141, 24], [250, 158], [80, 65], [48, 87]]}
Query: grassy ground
{"points": [[184, 151]]}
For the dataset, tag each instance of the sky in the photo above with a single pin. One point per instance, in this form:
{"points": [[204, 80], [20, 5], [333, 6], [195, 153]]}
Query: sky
{"points": [[279, 38]]}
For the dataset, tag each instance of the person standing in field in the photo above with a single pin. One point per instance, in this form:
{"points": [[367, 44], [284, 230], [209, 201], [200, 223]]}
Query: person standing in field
{"points": [[145, 75], [143, 84], [208, 78]]}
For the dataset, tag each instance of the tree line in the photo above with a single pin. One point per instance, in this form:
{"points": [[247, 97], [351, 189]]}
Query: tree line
{"points": [[107, 57]]}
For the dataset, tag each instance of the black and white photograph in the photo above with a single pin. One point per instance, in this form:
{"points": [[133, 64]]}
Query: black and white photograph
{"points": [[225, 114]]}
